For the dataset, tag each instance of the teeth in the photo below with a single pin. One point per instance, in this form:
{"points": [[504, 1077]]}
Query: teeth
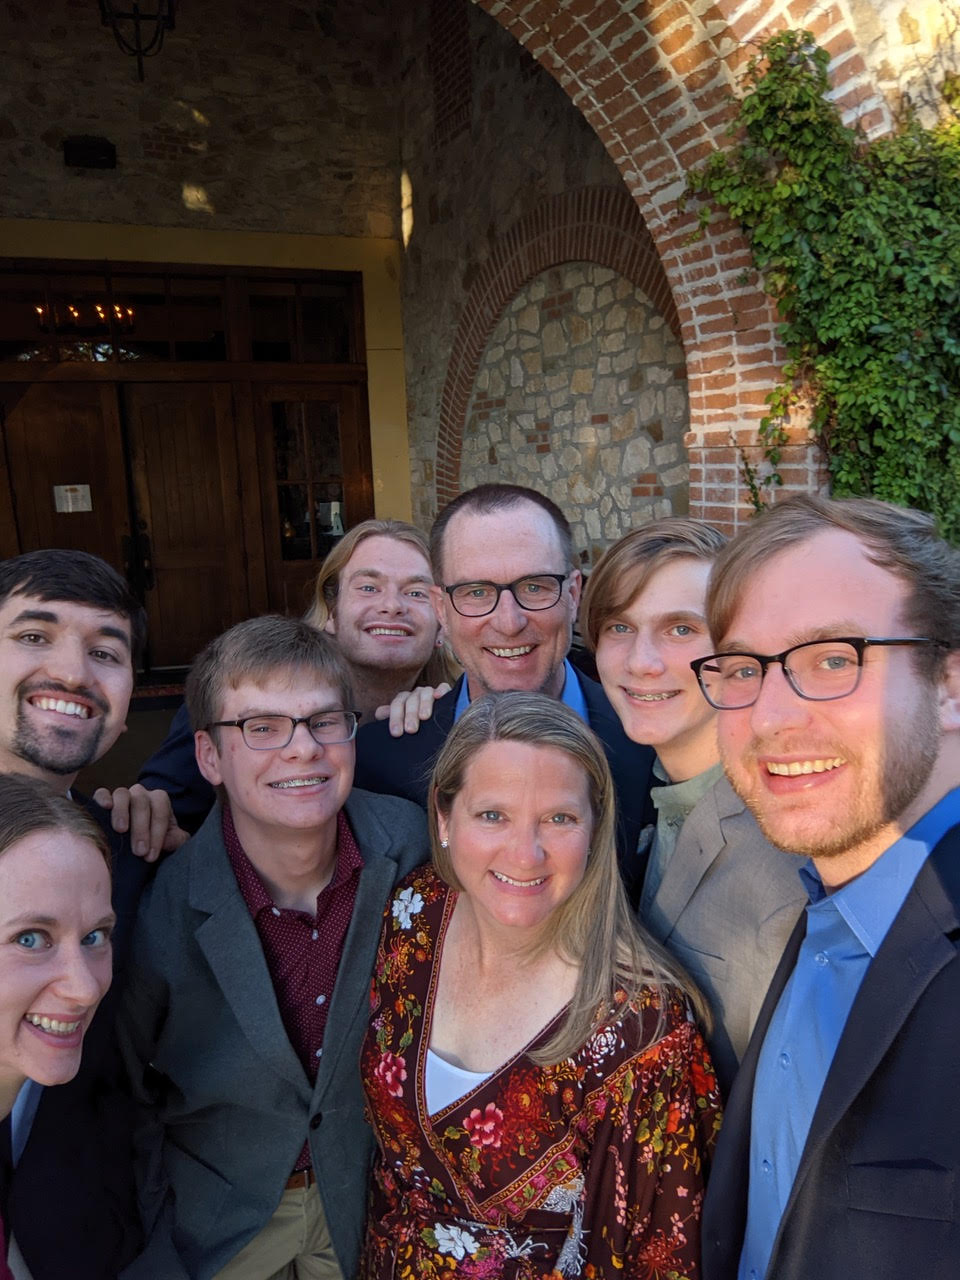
{"points": [[650, 697], [52, 1024], [797, 767], [386, 631], [289, 783], [63, 707], [521, 884], [519, 652]]}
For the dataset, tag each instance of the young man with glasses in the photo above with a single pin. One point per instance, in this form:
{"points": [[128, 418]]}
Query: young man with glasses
{"points": [[507, 598], [837, 684], [252, 959], [715, 893]]}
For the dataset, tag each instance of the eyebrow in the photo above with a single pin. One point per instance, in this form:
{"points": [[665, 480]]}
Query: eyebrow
{"points": [[46, 922], [47, 615], [376, 573], [835, 630], [255, 712]]}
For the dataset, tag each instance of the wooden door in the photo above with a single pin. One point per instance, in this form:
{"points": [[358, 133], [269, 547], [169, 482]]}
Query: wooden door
{"points": [[315, 480], [65, 475], [189, 516]]}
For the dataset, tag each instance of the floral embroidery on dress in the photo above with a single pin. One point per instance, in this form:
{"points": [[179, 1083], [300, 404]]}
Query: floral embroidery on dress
{"points": [[593, 1167]]}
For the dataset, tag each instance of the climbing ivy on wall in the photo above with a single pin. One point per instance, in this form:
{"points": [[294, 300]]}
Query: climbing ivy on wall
{"points": [[859, 244]]}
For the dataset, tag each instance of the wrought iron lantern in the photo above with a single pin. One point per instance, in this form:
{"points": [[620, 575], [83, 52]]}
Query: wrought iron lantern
{"points": [[139, 32]]}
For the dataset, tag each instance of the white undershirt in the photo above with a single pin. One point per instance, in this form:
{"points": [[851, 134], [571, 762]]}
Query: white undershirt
{"points": [[445, 1083]]}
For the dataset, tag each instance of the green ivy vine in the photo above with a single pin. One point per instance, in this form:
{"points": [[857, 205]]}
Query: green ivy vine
{"points": [[859, 243]]}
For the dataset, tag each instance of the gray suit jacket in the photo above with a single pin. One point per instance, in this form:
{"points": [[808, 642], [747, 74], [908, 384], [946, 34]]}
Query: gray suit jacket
{"points": [[725, 908], [226, 1104]]}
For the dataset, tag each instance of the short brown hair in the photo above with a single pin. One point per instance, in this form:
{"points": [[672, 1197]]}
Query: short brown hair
{"points": [[624, 569], [595, 928], [257, 650], [902, 541], [28, 805], [488, 498]]}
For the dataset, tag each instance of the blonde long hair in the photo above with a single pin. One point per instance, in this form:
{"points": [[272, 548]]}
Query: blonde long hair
{"points": [[595, 928]]}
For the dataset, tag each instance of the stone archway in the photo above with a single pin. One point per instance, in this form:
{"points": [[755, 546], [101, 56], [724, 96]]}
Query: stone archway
{"points": [[600, 225], [655, 82]]}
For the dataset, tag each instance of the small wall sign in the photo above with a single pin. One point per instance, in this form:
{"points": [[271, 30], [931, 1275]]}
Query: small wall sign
{"points": [[72, 497]]}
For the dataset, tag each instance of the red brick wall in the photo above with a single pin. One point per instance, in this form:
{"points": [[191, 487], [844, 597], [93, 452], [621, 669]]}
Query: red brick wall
{"points": [[655, 84]]}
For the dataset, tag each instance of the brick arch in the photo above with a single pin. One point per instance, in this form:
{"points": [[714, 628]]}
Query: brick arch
{"points": [[655, 84], [593, 224]]}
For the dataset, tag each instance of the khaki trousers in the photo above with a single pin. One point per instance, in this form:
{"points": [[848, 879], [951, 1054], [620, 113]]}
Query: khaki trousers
{"points": [[294, 1245]]}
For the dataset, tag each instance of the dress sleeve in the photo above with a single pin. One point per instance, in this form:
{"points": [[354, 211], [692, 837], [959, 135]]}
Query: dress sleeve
{"points": [[644, 1192]]}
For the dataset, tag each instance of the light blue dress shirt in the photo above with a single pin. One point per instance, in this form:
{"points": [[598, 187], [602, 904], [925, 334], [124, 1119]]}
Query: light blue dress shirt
{"points": [[572, 695], [844, 932]]}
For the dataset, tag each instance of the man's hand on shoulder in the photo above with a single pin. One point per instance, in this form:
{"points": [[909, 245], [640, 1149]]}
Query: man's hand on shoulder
{"points": [[410, 707], [147, 815]]}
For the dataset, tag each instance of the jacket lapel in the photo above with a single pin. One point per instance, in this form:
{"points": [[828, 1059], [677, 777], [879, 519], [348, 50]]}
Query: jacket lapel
{"points": [[351, 996], [229, 940], [701, 840], [921, 941]]}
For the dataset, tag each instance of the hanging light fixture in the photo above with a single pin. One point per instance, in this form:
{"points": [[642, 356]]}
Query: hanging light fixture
{"points": [[141, 33]]}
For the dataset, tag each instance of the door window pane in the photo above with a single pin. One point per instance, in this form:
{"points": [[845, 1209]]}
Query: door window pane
{"points": [[309, 477]]}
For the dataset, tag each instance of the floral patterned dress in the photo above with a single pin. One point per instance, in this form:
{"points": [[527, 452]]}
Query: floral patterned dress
{"points": [[593, 1167]]}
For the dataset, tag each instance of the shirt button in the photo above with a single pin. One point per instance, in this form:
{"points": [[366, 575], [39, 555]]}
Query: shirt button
{"points": [[753, 1274], [275, 910], [314, 935], [766, 1166], [784, 1060], [821, 958], [321, 999], [319, 1053]]}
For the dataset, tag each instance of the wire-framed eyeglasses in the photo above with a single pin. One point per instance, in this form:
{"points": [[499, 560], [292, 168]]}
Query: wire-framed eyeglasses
{"points": [[476, 599], [819, 670], [267, 733]]}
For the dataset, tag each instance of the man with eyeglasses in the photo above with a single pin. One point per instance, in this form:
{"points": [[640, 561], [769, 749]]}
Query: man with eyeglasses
{"points": [[837, 684], [507, 598], [252, 959]]}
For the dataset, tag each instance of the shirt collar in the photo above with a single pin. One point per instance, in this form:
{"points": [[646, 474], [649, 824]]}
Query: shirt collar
{"points": [[254, 891], [571, 694], [870, 902]]}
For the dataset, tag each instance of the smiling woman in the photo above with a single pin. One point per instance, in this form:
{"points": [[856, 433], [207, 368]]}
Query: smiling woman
{"points": [[542, 1099], [55, 927]]}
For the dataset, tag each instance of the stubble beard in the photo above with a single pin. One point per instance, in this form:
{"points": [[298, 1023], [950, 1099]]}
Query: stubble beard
{"points": [[55, 751], [907, 763]]}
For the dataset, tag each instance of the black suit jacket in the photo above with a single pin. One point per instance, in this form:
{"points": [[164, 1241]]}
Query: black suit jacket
{"points": [[402, 767], [72, 1204], [877, 1192]]}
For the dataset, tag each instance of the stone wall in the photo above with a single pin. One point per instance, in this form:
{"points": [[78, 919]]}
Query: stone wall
{"points": [[522, 144], [266, 117], [581, 393]]}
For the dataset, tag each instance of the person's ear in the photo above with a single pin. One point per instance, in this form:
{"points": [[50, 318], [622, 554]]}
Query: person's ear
{"points": [[575, 587], [438, 598], [950, 693], [443, 826], [208, 757], [330, 626]]}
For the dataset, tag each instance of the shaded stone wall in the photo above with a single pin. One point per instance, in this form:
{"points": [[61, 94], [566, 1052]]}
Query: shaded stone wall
{"points": [[581, 393], [275, 117], [523, 144]]}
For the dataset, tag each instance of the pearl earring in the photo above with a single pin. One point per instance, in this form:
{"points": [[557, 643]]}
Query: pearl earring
{"points": [[444, 844]]}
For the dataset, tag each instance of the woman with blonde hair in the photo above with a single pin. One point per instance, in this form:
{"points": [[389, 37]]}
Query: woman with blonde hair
{"points": [[542, 1098]]}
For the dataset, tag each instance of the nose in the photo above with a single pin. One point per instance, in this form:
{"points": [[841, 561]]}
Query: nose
{"points": [[508, 615], [67, 662], [303, 745], [778, 708], [84, 975], [528, 850], [644, 657], [392, 599]]}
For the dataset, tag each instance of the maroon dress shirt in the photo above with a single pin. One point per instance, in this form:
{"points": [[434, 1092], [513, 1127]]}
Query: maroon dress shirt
{"points": [[302, 951]]}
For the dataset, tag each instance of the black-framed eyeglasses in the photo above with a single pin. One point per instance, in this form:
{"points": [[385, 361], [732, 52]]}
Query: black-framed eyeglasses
{"points": [[267, 733], [819, 670], [476, 599]]}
